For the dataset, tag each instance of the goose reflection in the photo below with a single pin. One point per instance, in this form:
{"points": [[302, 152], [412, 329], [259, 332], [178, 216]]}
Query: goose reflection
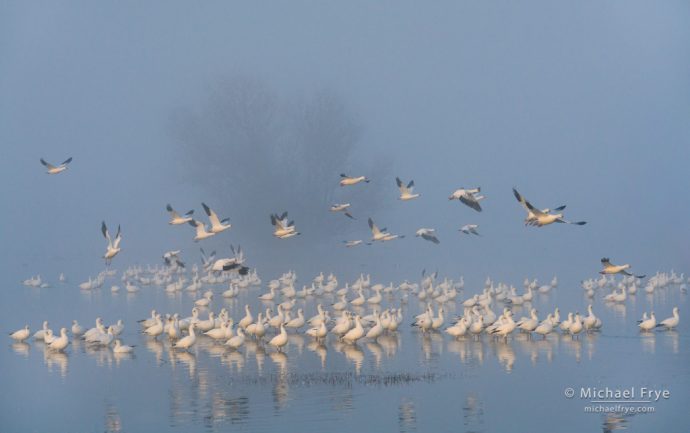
{"points": [[119, 357], [280, 359], [186, 358], [648, 342], [56, 359], [113, 422], [377, 352], [671, 337], [389, 343], [296, 341], [574, 347], [505, 354], [155, 347], [320, 350], [473, 413], [233, 360], [21, 349]]}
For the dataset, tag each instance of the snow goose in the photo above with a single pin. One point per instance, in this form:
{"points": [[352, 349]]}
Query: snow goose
{"points": [[610, 269], [188, 341], [201, 232], [469, 197], [52, 169], [217, 225], [113, 247], [342, 207], [122, 348], [355, 333], [648, 324], [428, 234], [279, 340], [539, 218], [346, 180], [176, 219], [21, 334], [470, 229], [60, 342], [672, 321], [406, 191]]}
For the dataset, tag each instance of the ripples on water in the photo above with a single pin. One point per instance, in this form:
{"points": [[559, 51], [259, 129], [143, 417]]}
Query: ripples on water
{"points": [[406, 381]]}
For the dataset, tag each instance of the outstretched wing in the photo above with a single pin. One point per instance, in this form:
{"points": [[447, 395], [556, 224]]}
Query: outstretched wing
{"points": [[67, 161], [104, 230], [374, 230], [212, 217], [172, 211], [605, 261], [431, 238], [118, 238], [470, 201], [48, 165]]}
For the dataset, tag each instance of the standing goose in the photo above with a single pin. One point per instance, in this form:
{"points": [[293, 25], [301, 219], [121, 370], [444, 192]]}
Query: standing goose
{"points": [[56, 169], [217, 225], [21, 334], [61, 342], [672, 321], [176, 219], [113, 245], [406, 191], [188, 341], [279, 340]]}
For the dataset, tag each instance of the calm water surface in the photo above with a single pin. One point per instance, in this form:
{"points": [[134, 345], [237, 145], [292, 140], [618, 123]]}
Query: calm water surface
{"points": [[405, 382]]}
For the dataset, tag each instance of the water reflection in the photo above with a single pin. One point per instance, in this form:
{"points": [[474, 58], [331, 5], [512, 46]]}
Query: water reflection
{"points": [[57, 360], [407, 416], [113, 422], [320, 350], [21, 349], [473, 414]]}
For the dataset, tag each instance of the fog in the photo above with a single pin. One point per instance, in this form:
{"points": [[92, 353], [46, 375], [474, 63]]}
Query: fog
{"points": [[581, 104]]}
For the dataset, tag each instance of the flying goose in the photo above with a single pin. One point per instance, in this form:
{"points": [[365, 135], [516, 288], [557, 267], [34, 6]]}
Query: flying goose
{"points": [[381, 234], [171, 257], [175, 218], [428, 234], [530, 215], [406, 191], [201, 232], [233, 263], [354, 243], [283, 228], [113, 245], [470, 229], [348, 180], [469, 197], [217, 225], [539, 218], [342, 207], [56, 170], [610, 269]]}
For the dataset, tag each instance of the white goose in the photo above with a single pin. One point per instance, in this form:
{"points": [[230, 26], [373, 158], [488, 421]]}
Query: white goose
{"points": [[201, 232], [648, 324], [349, 180], [406, 191], [217, 225], [113, 247], [60, 342], [469, 197], [279, 340], [21, 334], [355, 333], [672, 321], [52, 169], [610, 269], [176, 219], [428, 234], [188, 341], [539, 218]]}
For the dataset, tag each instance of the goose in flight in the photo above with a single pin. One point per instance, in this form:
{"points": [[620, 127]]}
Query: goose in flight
{"points": [[470, 229], [217, 225], [56, 169], [351, 244], [201, 232], [542, 217], [406, 191], [235, 263], [113, 244], [342, 207], [348, 180], [610, 269], [531, 217], [282, 228], [171, 257], [428, 234], [175, 218], [381, 234], [469, 197], [206, 262]]}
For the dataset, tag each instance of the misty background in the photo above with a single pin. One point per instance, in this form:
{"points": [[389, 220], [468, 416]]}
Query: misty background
{"points": [[256, 109]]}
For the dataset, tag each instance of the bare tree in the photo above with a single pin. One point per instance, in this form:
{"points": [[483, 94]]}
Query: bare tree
{"points": [[255, 155]]}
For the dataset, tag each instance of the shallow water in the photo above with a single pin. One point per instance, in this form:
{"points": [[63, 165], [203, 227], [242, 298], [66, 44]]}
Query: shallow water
{"points": [[406, 382]]}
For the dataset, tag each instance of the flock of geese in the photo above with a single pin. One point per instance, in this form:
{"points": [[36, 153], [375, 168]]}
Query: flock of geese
{"points": [[344, 313]]}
